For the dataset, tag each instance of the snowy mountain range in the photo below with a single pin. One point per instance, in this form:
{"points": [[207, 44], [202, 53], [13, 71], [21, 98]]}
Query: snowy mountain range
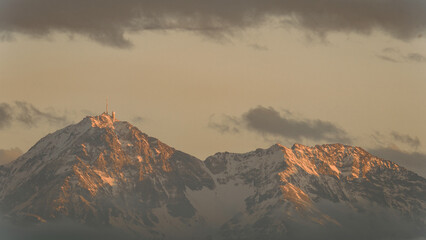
{"points": [[104, 177]]}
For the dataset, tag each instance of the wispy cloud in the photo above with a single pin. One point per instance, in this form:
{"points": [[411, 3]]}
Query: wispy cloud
{"points": [[395, 138], [138, 119], [258, 47], [108, 22], [225, 124], [406, 139], [28, 115], [386, 58], [6, 113], [268, 122], [396, 56], [415, 57]]}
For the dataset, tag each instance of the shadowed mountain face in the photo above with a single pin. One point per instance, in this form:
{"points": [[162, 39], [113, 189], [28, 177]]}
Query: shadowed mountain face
{"points": [[105, 176]]}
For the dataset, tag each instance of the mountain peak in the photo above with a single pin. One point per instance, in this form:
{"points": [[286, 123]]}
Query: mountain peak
{"points": [[104, 120], [97, 160], [298, 146]]}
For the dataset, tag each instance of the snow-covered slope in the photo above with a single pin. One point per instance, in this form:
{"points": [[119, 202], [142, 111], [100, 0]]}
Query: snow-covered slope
{"points": [[102, 172], [327, 191]]}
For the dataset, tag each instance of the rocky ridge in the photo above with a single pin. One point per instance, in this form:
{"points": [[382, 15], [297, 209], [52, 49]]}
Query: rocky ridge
{"points": [[104, 172]]}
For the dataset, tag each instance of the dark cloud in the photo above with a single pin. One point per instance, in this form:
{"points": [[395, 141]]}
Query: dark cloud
{"points": [[107, 21], [8, 155], [407, 139], [5, 115], [269, 122], [395, 55], [413, 161], [28, 115]]}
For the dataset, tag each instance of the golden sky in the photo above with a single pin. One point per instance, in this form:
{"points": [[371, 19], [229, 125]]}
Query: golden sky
{"points": [[246, 86]]}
